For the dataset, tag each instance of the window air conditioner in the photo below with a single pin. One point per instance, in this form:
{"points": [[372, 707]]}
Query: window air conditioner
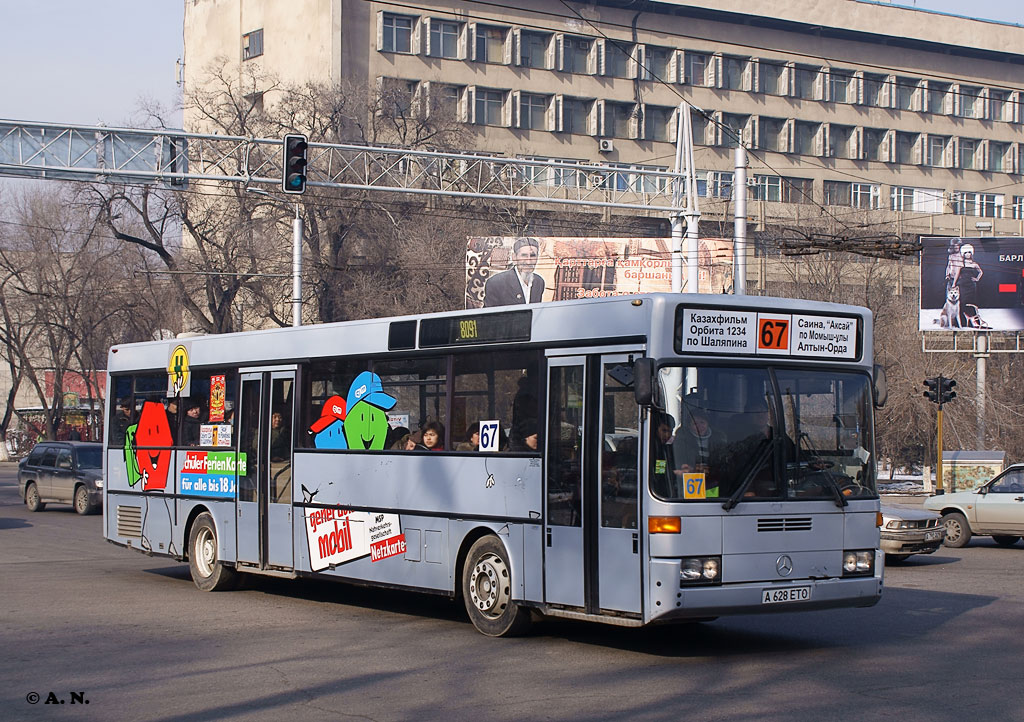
{"points": [[605, 145]]}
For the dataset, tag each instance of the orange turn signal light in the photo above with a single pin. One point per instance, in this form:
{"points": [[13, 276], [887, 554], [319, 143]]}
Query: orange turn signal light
{"points": [[878, 519], [664, 524]]}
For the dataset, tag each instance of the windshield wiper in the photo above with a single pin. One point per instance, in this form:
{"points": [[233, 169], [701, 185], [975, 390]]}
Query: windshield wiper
{"points": [[836, 491], [759, 459]]}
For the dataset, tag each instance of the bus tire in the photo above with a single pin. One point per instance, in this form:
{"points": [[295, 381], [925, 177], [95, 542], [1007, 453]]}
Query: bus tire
{"points": [[487, 591], [958, 533], [208, 572], [32, 500]]}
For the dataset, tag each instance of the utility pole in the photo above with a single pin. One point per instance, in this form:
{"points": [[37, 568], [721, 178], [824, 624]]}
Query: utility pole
{"points": [[739, 247], [297, 232], [685, 183]]}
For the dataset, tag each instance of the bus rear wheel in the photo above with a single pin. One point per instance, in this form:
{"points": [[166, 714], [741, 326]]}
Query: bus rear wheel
{"points": [[208, 572], [487, 591]]}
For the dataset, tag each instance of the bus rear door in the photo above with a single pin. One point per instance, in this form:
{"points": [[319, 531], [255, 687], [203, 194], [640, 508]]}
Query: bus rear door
{"points": [[267, 413], [592, 540]]}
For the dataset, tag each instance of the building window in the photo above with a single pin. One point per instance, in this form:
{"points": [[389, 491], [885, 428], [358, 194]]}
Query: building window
{"points": [[937, 95], [906, 93], [617, 118], [576, 55], [970, 100], [397, 96], [397, 33], [915, 200], [876, 90], [805, 82], [696, 69], [840, 141], [533, 111], [837, 193], [772, 78], [444, 39], [864, 195], [735, 129], [735, 72], [563, 172], [714, 184], [616, 59], [968, 153], [489, 105], [874, 140], [658, 65], [657, 122], [906, 143], [445, 99], [1018, 208], [986, 205], [767, 188], [797, 190], [490, 44], [773, 135], [252, 44], [999, 105], [699, 127], [533, 49], [997, 155], [937, 145], [839, 85], [576, 115], [629, 179], [805, 138]]}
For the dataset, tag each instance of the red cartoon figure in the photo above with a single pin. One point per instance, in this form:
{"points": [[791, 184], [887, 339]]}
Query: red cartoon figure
{"points": [[153, 431]]}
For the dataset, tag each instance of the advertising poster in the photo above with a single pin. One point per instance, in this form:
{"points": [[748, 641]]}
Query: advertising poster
{"points": [[336, 536], [211, 473], [972, 284], [502, 270], [218, 392]]}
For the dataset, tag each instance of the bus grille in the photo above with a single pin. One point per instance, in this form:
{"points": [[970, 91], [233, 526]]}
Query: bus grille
{"points": [[794, 523], [129, 521]]}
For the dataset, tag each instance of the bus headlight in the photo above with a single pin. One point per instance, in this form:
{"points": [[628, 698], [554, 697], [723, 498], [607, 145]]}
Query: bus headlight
{"points": [[858, 563], [700, 570]]}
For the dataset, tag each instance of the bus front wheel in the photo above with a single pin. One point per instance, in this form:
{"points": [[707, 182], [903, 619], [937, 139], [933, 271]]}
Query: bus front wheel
{"points": [[208, 572], [487, 591]]}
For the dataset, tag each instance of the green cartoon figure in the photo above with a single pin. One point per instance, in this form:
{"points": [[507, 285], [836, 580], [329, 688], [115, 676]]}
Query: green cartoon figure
{"points": [[130, 460], [366, 423]]}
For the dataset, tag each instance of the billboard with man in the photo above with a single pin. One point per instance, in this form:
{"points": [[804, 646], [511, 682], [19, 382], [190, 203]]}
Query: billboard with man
{"points": [[509, 270], [972, 284]]}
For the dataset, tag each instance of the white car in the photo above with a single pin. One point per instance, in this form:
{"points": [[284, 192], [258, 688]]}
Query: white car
{"points": [[996, 509], [907, 531]]}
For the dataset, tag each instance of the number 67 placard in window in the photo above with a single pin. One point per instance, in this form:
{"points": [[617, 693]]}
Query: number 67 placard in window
{"points": [[489, 435]]}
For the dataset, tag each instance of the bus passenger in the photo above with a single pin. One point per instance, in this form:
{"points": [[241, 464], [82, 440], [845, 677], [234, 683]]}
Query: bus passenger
{"points": [[433, 436], [190, 429], [698, 449], [472, 442]]}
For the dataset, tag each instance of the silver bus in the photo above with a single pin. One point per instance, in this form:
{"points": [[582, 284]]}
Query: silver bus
{"points": [[628, 460]]}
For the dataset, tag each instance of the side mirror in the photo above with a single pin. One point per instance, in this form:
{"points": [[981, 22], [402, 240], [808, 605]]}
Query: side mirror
{"points": [[643, 381], [881, 386]]}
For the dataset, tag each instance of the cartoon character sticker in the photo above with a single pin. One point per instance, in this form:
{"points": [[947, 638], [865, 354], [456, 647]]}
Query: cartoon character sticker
{"points": [[360, 421], [149, 465]]}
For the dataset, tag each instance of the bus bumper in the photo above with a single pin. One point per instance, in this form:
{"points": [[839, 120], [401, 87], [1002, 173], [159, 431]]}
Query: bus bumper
{"points": [[668, 600]]}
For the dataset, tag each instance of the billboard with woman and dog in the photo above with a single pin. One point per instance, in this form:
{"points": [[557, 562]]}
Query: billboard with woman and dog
{"points": [[972, 284]]}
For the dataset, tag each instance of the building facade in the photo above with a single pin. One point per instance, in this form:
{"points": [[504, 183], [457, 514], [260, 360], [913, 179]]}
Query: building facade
{"points": [[850, 108]]}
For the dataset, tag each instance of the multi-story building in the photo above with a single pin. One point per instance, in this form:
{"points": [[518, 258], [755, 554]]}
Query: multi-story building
{"points": [[910, 116]]}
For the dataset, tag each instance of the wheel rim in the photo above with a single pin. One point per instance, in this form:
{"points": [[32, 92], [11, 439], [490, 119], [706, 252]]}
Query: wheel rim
{"points": [[488, 586], [953, 530], [32, 497], [81, 501], [205, 552]]}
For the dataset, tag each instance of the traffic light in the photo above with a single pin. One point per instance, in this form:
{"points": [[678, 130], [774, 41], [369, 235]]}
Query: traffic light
{"points": [[940, 390], [946, 392], [293, 178]]}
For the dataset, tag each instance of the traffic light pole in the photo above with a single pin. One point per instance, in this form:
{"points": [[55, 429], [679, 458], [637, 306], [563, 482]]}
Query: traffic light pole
{"points": [[938, 464], [981, 357], [297, 232]]}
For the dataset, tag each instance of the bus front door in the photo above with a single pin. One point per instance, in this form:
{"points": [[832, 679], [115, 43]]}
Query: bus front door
{"points": [[592, 540], [264, 502]]}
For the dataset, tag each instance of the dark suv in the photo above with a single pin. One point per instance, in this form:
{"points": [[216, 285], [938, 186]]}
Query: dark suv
{"points": [[70, 472]]}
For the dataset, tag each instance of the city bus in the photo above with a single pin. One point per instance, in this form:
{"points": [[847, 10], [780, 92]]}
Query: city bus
{"points": [[629, 460]]}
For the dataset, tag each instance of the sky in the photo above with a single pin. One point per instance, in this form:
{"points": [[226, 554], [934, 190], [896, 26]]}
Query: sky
{"points": [[86, 62]]}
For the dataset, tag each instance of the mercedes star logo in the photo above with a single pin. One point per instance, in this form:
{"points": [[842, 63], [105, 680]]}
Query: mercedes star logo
{"points": [[784, 565]]}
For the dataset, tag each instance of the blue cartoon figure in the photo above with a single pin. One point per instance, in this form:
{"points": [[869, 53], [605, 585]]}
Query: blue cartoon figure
{"points": [[329, 430], [366, 424]]}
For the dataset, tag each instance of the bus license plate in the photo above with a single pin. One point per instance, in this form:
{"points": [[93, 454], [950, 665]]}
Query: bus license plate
{"points": [[789, 594]]}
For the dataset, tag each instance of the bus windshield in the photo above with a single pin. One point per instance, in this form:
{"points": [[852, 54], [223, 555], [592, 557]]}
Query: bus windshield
{"points": [[760, 433]]}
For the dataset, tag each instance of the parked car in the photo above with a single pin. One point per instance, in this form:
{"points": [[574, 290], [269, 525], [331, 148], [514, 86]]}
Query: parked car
{"points": [[68, 472], [907, 531], [996, 509]]}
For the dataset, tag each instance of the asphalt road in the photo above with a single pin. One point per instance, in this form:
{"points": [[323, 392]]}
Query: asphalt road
{"points": [[136, 639]]}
